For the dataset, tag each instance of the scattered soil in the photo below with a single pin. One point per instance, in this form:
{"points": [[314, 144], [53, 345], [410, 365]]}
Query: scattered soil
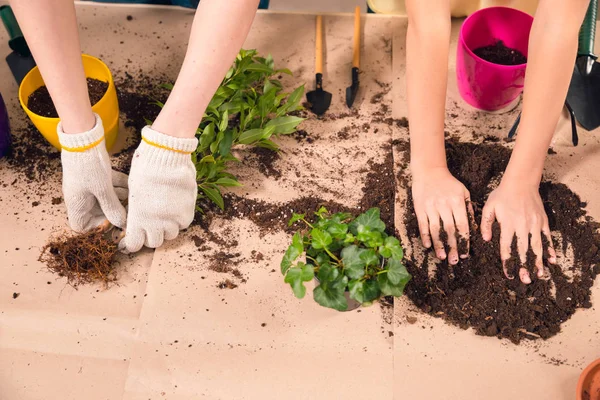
{"points": [[266, 162], [137, 96], [41, 103], [15, 295], [32, 157], [84, 258], [498, 53], [56, 200], [227, 284], [475, 293], [301, 135]]}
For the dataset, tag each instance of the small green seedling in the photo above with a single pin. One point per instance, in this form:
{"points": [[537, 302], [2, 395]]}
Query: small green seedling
{"points": [[345, 254]]}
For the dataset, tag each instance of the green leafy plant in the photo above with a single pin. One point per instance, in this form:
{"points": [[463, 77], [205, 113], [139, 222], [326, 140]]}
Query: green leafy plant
{"points": [[345, 254], [248, 108]]}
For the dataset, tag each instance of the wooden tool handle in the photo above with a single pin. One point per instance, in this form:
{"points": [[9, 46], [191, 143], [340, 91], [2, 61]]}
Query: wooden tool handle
{"points": [[319, 46], [356, 50]]}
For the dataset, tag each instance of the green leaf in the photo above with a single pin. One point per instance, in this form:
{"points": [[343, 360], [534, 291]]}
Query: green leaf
{"points": [[294, 99], [320, 239], [354, 265], [207, 136], [259, 68], [369, 257], [397, 272], [388, 288], [284, 71], [284, 125], [391, 248], [295, 218], [331, 288], [268, 86], [296, 276], [267, 144], [225, 144], [224, 121], [251, 136], [292, 253], [214, 195], [372, 239], [369, 219], [363, 291], [168, 86], [349, 238], [337, 230], [207, 159], [227, 182], [330, 297], [321, 212]]}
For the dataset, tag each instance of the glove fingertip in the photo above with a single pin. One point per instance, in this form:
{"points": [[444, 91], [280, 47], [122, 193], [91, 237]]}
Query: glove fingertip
{"points": [[132, 242]]}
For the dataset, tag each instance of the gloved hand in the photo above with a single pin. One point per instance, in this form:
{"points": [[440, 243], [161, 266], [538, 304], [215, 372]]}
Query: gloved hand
{"points": [[91, 188], [162, 190]]}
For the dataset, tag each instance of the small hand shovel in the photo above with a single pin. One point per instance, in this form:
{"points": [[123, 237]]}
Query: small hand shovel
{"points": [[20, 61], [584, 91], [319, 99], [353, 89]]}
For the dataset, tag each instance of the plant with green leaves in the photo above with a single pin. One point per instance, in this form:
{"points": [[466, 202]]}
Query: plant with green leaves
{"points": [[248, 108], [345, 254]]}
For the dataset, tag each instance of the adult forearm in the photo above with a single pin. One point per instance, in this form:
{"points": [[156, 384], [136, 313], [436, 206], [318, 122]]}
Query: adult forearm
{"points": [[50, 27], [428, 43], [552, 51], [218, 32]]}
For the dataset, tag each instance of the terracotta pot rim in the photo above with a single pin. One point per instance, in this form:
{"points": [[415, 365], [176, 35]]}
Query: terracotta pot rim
{"points": [[593, 367]]}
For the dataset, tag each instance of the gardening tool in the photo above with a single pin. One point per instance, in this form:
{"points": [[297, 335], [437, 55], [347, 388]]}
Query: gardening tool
{"points": [[5, 138], [20, 61], [574, 135], [584, 90], [353, 89], [319, 99]]}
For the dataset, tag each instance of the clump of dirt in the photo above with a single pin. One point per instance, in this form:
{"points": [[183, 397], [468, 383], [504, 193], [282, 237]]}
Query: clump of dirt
{"points": [[498, 53], [227, 284], [301, 135], [83, 258], [266, 159], [475, 293], [41, 103]]}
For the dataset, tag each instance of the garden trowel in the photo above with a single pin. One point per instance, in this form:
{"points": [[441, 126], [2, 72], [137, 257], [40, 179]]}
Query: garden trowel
{"points": [[584, 91], [353, 89], [20, 61], [319, 99]]}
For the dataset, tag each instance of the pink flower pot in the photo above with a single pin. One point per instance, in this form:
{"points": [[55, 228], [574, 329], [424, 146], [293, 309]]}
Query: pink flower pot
{"points": [[482, 84]]}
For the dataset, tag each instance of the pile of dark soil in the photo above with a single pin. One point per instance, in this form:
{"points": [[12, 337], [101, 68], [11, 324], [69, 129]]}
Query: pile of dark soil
{"points": [[84, 258], [498, 53], [475, 293], [41, 103]]}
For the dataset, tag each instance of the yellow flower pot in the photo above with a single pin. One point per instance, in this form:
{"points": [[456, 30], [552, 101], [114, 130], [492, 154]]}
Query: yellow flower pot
{"points": [[107, 108]]}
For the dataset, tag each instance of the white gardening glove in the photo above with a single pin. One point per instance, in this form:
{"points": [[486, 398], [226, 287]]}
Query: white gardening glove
{"points": [[162, 190], [91, 188]]}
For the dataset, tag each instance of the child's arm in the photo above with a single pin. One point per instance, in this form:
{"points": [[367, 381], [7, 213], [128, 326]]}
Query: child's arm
{"points": [[436, 193], [516, 203]]}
